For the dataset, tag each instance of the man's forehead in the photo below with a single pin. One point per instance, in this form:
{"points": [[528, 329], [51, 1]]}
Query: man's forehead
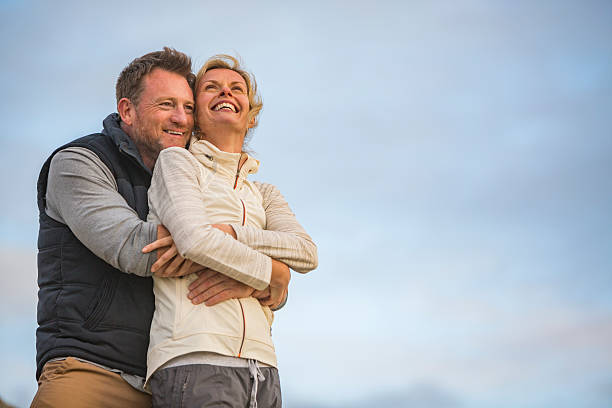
{"points": [[161, 81]]}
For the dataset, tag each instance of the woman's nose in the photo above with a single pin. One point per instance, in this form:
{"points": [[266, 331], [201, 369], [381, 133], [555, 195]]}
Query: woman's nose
{"points": [[225, 90]]}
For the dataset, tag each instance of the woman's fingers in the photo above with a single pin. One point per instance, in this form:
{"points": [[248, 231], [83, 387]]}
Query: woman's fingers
{"points": [[261, 294], [277, 294]]}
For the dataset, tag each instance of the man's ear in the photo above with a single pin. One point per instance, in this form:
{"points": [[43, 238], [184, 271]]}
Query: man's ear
{"points": [[126, 110]]}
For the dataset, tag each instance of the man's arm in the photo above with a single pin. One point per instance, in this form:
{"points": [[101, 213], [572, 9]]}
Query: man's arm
{"points": [[82, 193]]}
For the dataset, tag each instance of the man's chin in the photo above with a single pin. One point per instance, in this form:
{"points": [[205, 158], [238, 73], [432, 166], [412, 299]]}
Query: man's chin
{"points": [[175, 144]]}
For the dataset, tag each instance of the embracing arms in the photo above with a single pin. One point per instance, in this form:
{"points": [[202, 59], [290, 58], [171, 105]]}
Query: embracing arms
{"points": [[177, 174]]}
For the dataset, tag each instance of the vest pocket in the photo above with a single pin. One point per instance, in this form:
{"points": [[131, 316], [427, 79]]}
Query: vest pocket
{"points": [[101, 301]]}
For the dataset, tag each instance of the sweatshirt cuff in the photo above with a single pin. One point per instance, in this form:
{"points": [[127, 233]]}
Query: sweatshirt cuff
{"points": [[242, 234]]}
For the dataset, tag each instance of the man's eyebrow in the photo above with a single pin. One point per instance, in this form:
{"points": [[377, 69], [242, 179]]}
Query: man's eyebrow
{"points": [[170, 98]]}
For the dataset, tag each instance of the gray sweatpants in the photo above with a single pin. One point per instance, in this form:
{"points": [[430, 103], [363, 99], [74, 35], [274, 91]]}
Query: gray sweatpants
{"points": [[205, 385]]}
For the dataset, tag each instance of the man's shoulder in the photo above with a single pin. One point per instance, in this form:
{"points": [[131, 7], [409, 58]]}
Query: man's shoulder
{"points": [[76, 156], [95, 147]]}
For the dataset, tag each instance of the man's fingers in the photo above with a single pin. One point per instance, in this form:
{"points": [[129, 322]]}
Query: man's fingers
{"points": [[160, 243], [162, 260], [221, 297], [185, 267], [173, 267], [211, 291], [226, 289], [205, 282], [196, 268], [205, 272]]}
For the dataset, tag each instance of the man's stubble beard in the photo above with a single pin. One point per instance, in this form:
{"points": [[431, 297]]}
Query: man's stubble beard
{"points": [[148, 147]]}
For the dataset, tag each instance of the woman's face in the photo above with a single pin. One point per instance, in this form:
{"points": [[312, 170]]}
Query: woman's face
{"points": [[222, 101]]}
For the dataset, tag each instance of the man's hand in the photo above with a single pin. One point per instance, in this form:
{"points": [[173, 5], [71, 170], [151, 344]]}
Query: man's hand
{"points": [[169, 262], [213, 287]]}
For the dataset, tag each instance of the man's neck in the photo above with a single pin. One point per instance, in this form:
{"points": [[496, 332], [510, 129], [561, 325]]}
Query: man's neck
{"points": [[148, 157]]}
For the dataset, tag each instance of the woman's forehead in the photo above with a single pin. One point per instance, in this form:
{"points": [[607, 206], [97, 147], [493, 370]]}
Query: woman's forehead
{"points": [[223, 74]]}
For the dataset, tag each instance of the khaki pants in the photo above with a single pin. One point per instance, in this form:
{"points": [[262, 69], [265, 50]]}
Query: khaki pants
{"points": [[71, 383]]}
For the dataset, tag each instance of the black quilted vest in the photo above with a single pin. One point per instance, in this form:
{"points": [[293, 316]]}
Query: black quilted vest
{"points": [[87, 308]]}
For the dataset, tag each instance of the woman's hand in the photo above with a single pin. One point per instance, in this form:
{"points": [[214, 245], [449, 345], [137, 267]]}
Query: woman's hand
{"points": [[279, 284], [226, 228]]}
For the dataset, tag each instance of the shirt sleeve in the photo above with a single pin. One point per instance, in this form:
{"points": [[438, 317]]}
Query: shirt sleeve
{"points": [[284, 239], [176, 200], [82, 193]]}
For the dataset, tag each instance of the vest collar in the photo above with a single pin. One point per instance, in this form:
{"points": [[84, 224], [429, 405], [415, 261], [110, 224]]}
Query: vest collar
{"points": [[112, 129]]}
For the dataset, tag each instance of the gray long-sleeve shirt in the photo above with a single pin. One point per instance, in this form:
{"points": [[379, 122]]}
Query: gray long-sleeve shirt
{"points": [[82, 193]]}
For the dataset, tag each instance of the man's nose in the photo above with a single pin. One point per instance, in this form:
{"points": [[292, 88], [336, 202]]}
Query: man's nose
{"points": [[180, 116]]}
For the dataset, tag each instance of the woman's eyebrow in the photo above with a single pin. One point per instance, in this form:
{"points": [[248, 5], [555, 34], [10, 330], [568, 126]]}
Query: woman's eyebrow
{"points": [[231, 83]]}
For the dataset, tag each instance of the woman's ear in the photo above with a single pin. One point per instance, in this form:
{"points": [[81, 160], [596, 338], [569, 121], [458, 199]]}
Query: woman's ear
{"points": [[126, 110], [251, 123]]}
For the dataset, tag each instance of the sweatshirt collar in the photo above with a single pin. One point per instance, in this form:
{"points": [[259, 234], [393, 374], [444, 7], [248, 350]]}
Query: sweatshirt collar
{"points": [[210, 156]]}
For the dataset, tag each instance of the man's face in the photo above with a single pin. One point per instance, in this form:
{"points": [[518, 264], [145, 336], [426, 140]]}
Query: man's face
{"points": [[164, 115]]}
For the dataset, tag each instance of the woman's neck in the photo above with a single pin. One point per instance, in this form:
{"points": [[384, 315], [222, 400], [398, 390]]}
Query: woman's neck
{"points": [[227, 141]]}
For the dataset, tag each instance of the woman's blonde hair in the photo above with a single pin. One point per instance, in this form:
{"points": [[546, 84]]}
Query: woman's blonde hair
{"points": [[228, 62]]}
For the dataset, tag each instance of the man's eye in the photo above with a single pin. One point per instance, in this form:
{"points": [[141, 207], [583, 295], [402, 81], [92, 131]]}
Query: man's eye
{"points": [[168, 104], [189, 108]]}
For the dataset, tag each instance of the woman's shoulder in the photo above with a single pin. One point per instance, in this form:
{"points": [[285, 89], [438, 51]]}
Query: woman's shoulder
{"points": [[270, 194], [266, 188]]}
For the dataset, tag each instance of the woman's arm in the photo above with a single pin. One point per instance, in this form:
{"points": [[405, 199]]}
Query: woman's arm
{"points": [[176, 199], [283, 239]]}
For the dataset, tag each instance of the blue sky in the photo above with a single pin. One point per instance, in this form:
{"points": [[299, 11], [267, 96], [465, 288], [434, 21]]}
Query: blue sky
{"points": [[451, 159]]}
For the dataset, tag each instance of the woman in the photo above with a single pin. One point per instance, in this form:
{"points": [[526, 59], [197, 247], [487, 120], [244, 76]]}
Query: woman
{"points": [[201, 355]]}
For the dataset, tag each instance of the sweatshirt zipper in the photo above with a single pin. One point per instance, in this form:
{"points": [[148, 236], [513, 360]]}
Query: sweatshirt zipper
{"points": [[239, 302], [237, 173], [243, 328]]}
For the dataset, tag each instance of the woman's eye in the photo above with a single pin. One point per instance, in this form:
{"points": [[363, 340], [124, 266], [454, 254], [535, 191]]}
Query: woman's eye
{"points": [[238, 89]]}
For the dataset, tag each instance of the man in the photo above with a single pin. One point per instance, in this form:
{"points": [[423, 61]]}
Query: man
{"points": [[95, 298]]}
